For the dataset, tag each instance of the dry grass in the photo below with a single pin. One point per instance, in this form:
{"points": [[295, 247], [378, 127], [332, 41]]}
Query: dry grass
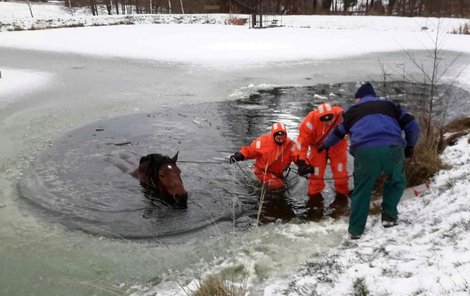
{"points": [[426, 160], [424, 164], [454, 131], [236, 21], [213, 286], [463, 29]]}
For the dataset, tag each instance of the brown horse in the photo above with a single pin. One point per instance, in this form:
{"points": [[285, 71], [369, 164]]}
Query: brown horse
{"points": [[160, 173], [157, 173]]}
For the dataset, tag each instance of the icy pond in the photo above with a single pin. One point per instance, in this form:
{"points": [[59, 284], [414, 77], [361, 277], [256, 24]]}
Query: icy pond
{"points": [[72, 224]]}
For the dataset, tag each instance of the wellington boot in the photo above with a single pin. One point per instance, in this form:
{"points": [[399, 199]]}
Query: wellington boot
{"points": [[315, 207], [339, 207]]}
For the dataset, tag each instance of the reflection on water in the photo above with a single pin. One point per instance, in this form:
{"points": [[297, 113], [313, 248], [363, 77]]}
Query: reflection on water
{"points": [[73, 184]]}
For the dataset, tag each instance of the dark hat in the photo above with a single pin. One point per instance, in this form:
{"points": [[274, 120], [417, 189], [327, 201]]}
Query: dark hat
{"points": [[365, 90]]}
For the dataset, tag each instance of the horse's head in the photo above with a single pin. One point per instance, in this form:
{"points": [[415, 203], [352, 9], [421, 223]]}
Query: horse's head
{"points": [[162, 174]]}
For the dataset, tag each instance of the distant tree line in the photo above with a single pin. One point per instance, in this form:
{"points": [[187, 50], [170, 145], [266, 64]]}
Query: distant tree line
{"points": [[436, 8]]}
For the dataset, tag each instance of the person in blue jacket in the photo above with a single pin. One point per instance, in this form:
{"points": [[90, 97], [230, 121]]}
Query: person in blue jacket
{"points": [[375, 127]]}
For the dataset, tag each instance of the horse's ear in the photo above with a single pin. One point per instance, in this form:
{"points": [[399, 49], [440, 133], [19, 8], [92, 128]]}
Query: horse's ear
{"points": [[175, 158]]}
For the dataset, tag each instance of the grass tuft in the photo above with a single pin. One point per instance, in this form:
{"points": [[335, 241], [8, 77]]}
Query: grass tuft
{"points": [[213, 286], [360, 288]]}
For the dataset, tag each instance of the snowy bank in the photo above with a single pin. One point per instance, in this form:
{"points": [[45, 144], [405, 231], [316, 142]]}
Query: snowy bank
{"points": [[427, 253]]}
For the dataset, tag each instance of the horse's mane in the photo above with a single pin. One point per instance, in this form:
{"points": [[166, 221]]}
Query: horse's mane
{"points": [[154, 162]]}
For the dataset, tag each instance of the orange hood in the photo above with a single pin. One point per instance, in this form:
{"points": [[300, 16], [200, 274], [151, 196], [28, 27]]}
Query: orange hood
{"points": [[278, 127]]}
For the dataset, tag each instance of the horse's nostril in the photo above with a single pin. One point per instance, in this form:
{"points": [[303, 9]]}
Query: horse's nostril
{"points": [[181, 201]]}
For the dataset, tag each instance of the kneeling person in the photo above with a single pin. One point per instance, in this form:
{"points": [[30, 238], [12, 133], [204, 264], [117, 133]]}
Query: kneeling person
{"points": [[273, 152]]}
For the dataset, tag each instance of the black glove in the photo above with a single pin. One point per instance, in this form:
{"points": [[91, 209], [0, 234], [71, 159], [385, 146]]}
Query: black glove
{"points": [[321, 148], [409, 152], [303, 167], [236, 157], [310, 170]]}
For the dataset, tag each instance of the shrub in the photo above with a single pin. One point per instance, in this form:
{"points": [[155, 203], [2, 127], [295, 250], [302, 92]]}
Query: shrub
{"points": [[236, 21], [360, 288], [426, 160], [462, 29]]}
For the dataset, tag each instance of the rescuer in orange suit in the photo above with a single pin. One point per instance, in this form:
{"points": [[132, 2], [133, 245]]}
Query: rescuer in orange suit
{"points": [[274, 152], [312, 132]]}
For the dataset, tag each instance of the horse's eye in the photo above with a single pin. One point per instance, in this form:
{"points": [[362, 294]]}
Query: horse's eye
{"points": [[162, 176]]}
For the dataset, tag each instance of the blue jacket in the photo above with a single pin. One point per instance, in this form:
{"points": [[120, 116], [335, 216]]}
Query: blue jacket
{"points": [[374, 122]]}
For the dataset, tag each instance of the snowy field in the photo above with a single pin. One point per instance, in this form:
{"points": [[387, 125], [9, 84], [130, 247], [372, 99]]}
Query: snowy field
{"points": [[428, 253]]}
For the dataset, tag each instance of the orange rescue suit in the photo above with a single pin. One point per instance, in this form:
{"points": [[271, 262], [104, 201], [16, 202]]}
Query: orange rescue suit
{"points": [[312, 133], [272, 159]]}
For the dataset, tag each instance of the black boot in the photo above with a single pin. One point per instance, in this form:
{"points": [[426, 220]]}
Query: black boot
{"points": [[315, 207], [339, 207], [388, 221]]}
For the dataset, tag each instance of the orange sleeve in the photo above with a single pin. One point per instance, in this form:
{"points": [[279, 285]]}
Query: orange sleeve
{"points": [[250, 151], [305, 137], [294, 152]]}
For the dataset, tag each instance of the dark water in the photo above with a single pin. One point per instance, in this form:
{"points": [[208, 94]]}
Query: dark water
{"points": [[73, 183]]}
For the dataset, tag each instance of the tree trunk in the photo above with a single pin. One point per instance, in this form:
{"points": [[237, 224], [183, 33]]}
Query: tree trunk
{"points": [[117, 6], [326, 6], [169, 6], [109, 6], [30, 8], [391, 5], [70, 6], [182, 8], [92, 4]]}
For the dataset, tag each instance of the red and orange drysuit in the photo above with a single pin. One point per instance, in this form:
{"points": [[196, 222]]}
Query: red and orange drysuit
{"points": [[312, 133], [272, 159]]}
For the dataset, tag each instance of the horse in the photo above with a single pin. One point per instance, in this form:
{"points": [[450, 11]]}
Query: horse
{"points": [[156, 173]]}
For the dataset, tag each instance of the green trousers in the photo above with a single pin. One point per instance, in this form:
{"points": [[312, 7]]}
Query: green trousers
{"points": [[369, 163]]}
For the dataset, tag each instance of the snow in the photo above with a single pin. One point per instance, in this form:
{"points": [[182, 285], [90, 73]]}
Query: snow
{"points": [[14, 83], [427, 253], [218, 45]]}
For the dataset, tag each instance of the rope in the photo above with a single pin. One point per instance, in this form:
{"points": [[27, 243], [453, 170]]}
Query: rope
{"points": [[327, 178], [241, 169], [261, 199], [201, 162], [246, 175]]}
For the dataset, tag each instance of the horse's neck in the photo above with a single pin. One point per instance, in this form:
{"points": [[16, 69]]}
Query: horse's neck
{"points": [[127, 162]]}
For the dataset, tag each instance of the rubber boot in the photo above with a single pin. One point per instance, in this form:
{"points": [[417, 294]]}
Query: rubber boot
{"points": [[315, 207]]}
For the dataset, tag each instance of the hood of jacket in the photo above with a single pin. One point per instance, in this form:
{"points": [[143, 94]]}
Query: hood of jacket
{"points": [[278, 127]]}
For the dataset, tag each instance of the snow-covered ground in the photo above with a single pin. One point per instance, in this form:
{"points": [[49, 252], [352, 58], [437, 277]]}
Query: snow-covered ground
{"points": [[427, 254]]}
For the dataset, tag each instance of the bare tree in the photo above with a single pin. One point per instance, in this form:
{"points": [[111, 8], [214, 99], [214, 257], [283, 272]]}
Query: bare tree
{"points": [[182, 8], [94, 7], [30, 7], [390, 7], [435, 105], [69, 2], [326, 6]]}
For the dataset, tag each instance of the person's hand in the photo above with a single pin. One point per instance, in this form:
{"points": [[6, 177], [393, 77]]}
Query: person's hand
{"points": [[409, 152], [321, 148], [302, 167], [237, 156]]}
